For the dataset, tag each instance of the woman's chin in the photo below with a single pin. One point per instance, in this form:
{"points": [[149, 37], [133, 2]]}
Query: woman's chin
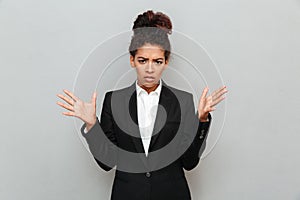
{"points": [[149, 84]]}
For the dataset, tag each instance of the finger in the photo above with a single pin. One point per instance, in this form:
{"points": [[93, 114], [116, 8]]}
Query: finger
{"points": [[70, 94], [94, 98], [69, 101], [214, 93], [209, 108], [69, 113], [212, 109], [222, 87], [220, 92], [68, 107], [204, 93], [218, 100]]}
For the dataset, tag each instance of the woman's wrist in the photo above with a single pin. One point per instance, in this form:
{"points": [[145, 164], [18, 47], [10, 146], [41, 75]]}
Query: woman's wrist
{"points": [[203, 118], [90, 125]]}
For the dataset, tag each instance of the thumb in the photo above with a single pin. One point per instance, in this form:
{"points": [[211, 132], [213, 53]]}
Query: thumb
{"points": [[94, 98]]}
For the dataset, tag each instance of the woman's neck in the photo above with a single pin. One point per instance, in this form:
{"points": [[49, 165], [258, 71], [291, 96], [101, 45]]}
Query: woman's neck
{"points": [[150, 89]]}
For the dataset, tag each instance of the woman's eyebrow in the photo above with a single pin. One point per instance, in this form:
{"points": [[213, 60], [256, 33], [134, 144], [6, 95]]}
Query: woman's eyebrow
{"points": [[148, 58], [143, 58], [158, 59]]}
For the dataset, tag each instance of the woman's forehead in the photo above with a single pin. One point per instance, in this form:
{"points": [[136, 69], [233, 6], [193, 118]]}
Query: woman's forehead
{"points": [[150, 51]]}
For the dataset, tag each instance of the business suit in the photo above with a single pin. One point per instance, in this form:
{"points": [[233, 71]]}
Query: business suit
{"points": [[177, 142]]}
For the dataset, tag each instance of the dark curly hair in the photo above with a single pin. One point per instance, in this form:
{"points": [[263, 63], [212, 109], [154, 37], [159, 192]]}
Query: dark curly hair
{"points": [[153, 28]]}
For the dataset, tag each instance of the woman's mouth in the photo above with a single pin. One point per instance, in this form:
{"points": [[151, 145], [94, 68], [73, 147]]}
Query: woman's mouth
{"points": [[149, 78]]}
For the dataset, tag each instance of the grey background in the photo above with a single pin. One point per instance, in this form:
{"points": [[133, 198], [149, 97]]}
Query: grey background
{"points": [[254, 43]]}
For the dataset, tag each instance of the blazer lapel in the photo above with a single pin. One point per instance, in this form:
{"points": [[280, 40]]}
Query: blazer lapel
{"points": [[161, 117], [132, 122]]}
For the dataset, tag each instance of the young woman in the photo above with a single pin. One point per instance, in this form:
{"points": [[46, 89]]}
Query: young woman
{"points": [[149, 131]]}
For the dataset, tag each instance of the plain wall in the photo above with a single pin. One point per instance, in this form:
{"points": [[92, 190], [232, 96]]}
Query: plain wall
{"points": [[255, 45]]}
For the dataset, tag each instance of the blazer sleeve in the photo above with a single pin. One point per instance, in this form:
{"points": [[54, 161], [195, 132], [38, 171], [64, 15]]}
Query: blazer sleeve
{"points": [[197, 142], [101, 137]]}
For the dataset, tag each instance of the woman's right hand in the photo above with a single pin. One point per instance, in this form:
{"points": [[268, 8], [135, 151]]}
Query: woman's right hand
{"points": [[86, 111]]}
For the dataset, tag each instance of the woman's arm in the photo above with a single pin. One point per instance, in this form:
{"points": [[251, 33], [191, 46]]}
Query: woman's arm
{"points": [[194, 133], [207, 104], [101, 137]]}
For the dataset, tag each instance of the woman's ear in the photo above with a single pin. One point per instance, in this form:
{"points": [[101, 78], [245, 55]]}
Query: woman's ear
{"points": [[166, 64], [131, 60]]}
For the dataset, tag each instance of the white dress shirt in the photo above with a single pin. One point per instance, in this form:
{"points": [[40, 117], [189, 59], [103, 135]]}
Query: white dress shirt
{"points": [[147, 105], [146, 110]]}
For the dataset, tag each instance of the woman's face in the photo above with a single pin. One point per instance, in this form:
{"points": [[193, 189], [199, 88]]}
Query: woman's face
{"points": [[149, 62]]}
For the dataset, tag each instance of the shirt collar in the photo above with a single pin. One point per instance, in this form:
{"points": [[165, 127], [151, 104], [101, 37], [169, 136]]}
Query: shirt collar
{"points": [[139, 89]]}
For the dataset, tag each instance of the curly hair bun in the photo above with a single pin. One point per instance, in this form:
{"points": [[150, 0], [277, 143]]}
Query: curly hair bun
{"points": [[152, 28], [152, 19]]}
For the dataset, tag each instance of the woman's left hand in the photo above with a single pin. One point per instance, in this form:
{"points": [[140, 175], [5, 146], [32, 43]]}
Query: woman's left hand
{"points": [[208, 103]]}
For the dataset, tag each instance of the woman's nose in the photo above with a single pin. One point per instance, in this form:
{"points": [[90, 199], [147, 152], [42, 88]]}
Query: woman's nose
{"points": [[149, 67]]}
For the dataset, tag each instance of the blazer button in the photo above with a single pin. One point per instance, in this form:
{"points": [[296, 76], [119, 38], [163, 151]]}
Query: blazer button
{"points": [[202, 134], [148, 174]]}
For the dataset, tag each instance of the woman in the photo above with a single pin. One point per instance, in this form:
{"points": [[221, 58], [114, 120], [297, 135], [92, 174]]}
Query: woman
{"points": [[145, 119]]}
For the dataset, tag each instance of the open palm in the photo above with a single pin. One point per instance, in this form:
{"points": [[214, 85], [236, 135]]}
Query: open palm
{"points": [[86, 111], [208, 103]]}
